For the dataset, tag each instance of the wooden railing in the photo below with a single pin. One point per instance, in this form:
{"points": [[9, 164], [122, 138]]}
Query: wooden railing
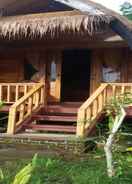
{"points": [[11, 92], [24, 107], [95, 104]]}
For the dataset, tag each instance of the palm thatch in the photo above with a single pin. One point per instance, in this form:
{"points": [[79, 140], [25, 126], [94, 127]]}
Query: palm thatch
{"points": [[38, 25], [120, 24]]}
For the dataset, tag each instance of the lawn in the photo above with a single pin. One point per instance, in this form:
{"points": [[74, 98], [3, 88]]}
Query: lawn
{"points": [[88, 170]]}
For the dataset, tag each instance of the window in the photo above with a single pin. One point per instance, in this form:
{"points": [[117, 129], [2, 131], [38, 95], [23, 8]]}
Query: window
{"points": [[111, 67], [110, 74], [53, 72]]}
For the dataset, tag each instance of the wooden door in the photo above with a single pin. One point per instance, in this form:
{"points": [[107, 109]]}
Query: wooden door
{"points": [[54, 76]]}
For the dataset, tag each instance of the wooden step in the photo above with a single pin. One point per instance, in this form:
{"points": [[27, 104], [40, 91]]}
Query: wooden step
{"points": [[55, 118], [67, 104], [59, 110], [52, 128]]}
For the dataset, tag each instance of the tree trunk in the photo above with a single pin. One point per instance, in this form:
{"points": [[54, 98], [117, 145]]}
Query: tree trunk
{"points": [[108, 146]]}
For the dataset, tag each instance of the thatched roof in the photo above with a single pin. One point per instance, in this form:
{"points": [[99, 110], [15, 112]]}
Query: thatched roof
{"points": [[38, 25], [91, 18], [120, 24]]}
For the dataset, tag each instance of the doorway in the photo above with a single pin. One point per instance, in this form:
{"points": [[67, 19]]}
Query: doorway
{"points": [[75, 81]]}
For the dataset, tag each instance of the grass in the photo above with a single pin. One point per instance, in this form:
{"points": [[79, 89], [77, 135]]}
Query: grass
{"points": [[91, 170]]}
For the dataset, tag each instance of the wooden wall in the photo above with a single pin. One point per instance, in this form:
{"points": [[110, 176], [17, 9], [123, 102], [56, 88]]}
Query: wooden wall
{"points": [[129, 65], [12, 67], [118, 58]]}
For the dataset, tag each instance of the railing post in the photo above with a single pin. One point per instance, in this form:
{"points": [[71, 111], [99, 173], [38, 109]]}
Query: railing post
{"points": [[80, 132], [11, 121], [43, 91], [43, 100], [0, 93]]}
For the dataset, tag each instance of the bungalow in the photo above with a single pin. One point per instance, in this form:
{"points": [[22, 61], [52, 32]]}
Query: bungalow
{"points": [[59, 62]]}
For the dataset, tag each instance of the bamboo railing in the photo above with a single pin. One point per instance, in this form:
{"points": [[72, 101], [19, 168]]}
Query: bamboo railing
{"points": [[11, 92], [24, 107], [93, 107]]}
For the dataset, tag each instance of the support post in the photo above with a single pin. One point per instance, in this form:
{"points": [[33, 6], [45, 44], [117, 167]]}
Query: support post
{"points": [[11, 121], [81, 124]]}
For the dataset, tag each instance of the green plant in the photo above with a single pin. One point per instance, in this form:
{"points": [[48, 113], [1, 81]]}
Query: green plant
{"points": [[1, 104], [24, 175], [126, 9], [115, 111], [114, 105]]}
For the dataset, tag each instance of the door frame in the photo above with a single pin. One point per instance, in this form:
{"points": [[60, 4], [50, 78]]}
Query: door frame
{"points": [[54, 87], [90, 64]]}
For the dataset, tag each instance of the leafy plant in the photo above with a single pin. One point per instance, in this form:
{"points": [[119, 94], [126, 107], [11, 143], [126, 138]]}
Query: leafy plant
{"points": [[1, 175], [1, 104], [24, 175], [116, 113], [126, 9]]}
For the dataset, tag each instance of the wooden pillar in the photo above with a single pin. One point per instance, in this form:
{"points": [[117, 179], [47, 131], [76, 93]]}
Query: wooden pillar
{"points": [[95, 78]]}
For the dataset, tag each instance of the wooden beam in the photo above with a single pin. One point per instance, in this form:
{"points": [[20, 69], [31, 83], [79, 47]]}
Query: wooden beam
{"points": [[118, 27]]}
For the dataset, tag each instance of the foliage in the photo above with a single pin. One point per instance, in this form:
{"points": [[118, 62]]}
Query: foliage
{"points": [[115, 110], [126, 9], [89, 170], [24, 175], [114, 105], [1, 104]]}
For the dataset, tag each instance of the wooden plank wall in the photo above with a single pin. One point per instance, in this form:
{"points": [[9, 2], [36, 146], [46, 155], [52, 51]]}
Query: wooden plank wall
{"points": [[95, 78], [117, 56], [11, 69], [12, 66], [129, 66], [37, 60]]}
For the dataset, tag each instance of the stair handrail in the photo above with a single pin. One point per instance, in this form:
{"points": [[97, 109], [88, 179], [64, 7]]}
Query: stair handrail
{"points": [[95, 104], [91, 108], [11, 92], [25, 106]]}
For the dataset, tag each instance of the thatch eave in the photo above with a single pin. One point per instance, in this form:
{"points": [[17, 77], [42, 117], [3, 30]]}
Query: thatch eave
{"points": [[120, 24], [39, 25]]}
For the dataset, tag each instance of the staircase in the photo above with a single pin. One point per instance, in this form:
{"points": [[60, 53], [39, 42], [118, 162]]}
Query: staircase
{"points": [[55, 118], [32, 113]]}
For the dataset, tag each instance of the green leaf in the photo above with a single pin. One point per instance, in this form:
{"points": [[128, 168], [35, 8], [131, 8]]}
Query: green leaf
{"points": [[110, 124], [49, 163], [23, 175], [129, 149], [1, 104], [1, 175], [34, 160]]}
